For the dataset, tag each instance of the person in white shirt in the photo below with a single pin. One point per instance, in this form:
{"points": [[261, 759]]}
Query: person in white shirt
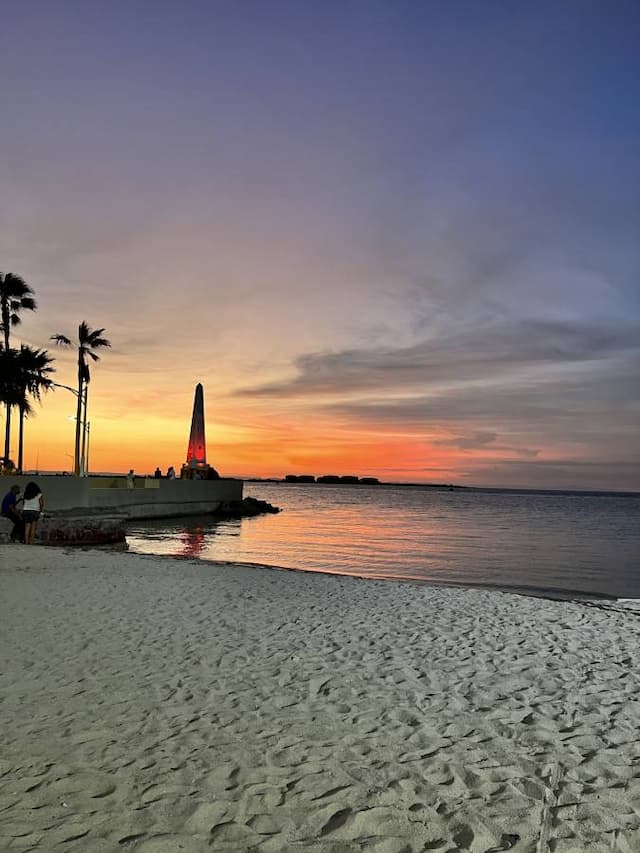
{"points": [[32, 507]]}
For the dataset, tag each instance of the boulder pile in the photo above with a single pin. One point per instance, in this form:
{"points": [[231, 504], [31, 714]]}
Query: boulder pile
{"points": [[246, 508]]}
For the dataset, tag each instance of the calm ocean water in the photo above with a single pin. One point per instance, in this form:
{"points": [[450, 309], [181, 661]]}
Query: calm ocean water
{"points": [[546, 543]]}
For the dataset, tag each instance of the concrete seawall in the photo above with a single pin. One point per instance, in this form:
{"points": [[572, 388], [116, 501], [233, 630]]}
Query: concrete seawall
{"points": [[150, 498]]}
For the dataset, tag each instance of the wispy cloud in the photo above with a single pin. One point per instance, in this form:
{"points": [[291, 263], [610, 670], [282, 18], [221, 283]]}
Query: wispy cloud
{"points": [[513, 391], [493, 355]]}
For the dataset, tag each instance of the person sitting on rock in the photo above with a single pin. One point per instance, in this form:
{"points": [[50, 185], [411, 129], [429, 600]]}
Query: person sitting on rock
{"points": [[10, 510]]}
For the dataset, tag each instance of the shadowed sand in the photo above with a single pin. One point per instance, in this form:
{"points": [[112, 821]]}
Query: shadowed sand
{"points": [[160, 705]]}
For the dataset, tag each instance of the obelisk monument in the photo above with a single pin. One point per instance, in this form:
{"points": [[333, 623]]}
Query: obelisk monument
{"points": [[197, 450]]}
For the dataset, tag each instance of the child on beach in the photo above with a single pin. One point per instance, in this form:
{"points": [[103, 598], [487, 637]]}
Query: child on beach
{"points": [[31, 510]]}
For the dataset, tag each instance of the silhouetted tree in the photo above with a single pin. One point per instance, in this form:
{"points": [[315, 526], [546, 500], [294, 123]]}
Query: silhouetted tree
{"points": [[9, 386], [15, 296], [33, 372], [88, 341]]}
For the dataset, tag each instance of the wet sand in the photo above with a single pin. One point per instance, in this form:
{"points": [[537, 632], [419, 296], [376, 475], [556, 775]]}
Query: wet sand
{"points": [[158, 705]]}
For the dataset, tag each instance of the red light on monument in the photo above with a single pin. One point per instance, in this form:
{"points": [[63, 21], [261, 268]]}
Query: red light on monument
{"points": [[197, 449]]}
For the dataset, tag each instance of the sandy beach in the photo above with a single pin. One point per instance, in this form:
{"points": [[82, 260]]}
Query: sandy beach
{"points": [[160, 705]]}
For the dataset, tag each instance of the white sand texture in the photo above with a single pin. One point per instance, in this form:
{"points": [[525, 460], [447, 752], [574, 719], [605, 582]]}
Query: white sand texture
{"points": [[159, 705]]}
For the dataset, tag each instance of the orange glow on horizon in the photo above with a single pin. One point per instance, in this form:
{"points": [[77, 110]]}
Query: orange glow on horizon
{"points": [[245, 444], [142, 423]]}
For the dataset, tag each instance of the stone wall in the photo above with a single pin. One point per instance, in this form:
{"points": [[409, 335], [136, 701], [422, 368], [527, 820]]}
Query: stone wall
{"points": [[72, 529], [81, 530]]}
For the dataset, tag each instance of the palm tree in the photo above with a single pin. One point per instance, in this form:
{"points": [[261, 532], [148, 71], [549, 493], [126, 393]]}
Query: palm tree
{"points": [[8, 373], [89, 340], [9, 389], [15, 296], [34, 369]]}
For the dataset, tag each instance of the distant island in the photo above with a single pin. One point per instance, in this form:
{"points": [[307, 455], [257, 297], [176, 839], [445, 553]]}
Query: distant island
{"points": [[349, 479], [352, 480]]}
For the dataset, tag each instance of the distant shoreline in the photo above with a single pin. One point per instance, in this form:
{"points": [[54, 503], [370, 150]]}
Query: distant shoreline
{"points": [[456, 487]]}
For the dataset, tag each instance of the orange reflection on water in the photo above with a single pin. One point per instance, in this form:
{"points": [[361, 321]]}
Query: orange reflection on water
{"points": [[326, 530], [192, 539]]}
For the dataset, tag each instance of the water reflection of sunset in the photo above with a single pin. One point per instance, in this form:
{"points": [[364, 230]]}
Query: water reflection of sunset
{"points": [[451, 536], [192, 540]]}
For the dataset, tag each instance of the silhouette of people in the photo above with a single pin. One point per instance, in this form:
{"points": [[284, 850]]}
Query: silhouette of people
{"points": [[157, 474], [31, 510], [130, 478], [171, 473], [10, 510]]}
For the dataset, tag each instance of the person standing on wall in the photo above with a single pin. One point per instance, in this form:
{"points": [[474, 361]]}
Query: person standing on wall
{"points": [[31, 511]]}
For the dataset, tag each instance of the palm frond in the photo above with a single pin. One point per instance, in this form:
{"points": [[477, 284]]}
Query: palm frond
{"points": [[62, 340], [13, 286], [89, 338], [28, 303], [26, 409], [96, 341], [33, 370], [15, 296]]}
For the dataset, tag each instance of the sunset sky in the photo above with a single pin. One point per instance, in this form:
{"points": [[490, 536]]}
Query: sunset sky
{"points": [[398, 239]]}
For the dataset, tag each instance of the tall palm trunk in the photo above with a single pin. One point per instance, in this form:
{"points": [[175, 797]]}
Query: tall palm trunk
{"points": [[76, 458], [7, 425], [83, 455], [7, 432], [20, 438]]}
